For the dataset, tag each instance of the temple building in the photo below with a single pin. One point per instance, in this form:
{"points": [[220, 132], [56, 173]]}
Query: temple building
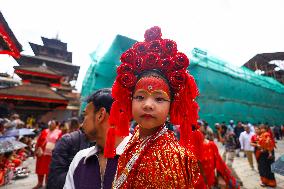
{"points": [[8, 81], [46, 91]]}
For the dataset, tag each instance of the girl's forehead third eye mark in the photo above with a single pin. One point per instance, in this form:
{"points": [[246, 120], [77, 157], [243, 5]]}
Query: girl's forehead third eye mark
{"points": [[152, 84]]}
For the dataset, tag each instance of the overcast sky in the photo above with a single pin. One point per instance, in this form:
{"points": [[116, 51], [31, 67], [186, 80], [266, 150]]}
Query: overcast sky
{"points": [[233, 30]]}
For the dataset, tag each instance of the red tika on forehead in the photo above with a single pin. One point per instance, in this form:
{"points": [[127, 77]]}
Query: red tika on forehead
{"points": [[152, 83]]}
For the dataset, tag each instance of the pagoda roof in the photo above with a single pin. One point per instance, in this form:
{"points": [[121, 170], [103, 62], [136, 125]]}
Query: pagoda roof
{"points": [[51, 52], [10, 79], [63, 67], [43, 71], [54, 43], [4, 75], [63, 87], [74, 100], [32, 92], [46, 59], [72, 95], [8, 40]]}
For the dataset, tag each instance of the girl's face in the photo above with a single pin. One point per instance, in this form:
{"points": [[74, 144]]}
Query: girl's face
{"points": [[151, 102]]}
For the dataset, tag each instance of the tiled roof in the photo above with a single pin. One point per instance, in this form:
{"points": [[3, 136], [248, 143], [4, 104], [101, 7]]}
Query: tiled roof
{"points": [[33, 92]]}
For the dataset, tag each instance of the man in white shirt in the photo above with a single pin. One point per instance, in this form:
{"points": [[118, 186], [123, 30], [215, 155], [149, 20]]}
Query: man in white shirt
{"points": [[245, 141]]}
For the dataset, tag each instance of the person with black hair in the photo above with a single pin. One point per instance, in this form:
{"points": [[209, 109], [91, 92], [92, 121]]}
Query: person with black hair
{"points": [[78, 139], [238, 130], [89, 168], [74, 124]]}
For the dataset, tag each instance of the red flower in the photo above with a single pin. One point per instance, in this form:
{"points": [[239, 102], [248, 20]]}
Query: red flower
{"points": [[155, 46], [140, 48], [151, 60], [127, 80], [128, 56], [138, 64], [169, 47], [181, 61], [167, 64], [177, 79], [124, 68], [153, 33]]}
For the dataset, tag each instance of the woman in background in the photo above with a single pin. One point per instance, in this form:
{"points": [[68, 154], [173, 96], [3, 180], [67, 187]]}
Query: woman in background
{"points": [[43, 150], [266, 157], [254, 143]]}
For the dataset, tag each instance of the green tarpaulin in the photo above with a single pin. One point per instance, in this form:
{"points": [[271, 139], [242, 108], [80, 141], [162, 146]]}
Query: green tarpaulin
{"points": [[226, 92], [102, 70]]}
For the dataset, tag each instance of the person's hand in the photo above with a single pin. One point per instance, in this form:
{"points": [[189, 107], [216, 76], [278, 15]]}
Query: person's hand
{"points": [[270, 155]]}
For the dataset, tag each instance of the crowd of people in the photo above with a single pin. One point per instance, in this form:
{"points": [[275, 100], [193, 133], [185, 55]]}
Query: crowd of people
{"points": [[145, 132], [20, 140], [51, 144], [10, 163], [11, 157], [259, 140]]}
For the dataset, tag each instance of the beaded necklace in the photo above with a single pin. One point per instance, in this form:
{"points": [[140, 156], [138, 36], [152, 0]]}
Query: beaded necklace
{"points": [[134, 160]]}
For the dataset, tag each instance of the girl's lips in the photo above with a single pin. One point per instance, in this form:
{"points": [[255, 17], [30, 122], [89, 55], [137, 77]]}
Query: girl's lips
{"points": [[147, 116]]}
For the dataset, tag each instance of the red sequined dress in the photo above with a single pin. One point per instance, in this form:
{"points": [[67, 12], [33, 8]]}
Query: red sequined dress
{"points": [[163, 163]]}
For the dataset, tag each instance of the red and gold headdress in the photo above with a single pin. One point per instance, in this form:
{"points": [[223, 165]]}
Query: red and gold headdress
{"points": [[160, 54]]}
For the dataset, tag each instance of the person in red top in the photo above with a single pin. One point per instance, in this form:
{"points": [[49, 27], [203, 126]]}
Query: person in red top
{"points": [[254, 142], [21, 154], [7, 167], [16, 159], [211, 161], [153, 83], [43, 150], [266, 158], [2, 171]]}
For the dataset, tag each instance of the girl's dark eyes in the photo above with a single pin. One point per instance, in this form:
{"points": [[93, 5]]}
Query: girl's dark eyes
{"points": [[157, 99], [138, 97], [160, 99]]}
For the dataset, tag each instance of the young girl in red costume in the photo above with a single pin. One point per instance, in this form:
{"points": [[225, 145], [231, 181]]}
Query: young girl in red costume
{"points": [[152, 84]]}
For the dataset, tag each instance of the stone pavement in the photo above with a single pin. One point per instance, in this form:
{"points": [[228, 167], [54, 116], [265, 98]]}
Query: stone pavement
{"points": [[250, 178]]}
